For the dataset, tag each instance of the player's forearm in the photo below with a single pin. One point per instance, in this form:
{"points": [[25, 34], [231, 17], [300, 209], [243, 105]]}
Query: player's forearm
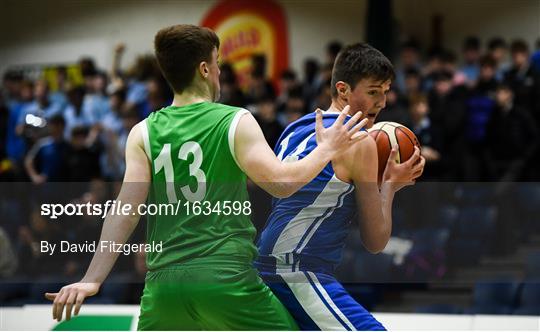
{"points": [[292, 176], [116, 229]]}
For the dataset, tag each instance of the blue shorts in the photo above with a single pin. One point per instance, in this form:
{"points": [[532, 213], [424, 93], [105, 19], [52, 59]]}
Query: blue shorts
{"points": [[318, 301]]}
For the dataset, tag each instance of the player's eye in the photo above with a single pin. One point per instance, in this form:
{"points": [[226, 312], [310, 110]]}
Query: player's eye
{"points": [[372, 92]]}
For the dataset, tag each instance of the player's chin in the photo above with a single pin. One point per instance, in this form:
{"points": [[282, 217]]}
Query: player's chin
{"points": [[371, 121]]}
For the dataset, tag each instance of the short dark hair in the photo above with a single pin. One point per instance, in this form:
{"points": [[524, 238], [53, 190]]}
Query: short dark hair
{"points": [[471, 43], [487, 61], [495, 43], [519, 46], [179, 50], [359, 61]]}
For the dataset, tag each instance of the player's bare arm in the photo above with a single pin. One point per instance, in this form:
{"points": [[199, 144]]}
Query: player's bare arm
{"points": [[116, 228], [281, 179], [376, 203]]}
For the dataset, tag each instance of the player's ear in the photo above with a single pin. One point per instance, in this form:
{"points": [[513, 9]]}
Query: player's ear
{"points": [[343, 89], [203, 69]]}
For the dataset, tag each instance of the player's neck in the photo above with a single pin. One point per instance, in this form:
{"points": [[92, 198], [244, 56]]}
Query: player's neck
{"points": [[191, 96], [188, 99], [337, 106]]}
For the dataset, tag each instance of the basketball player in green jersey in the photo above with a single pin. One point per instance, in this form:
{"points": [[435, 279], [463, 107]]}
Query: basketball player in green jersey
{"points": [[198, 152]]}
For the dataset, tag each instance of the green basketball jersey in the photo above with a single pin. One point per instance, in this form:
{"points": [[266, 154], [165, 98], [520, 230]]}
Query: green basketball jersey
{"points": [[191, 149]]}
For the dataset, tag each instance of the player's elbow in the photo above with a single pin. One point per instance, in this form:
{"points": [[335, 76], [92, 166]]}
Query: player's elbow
{"points": [[375, 243]]}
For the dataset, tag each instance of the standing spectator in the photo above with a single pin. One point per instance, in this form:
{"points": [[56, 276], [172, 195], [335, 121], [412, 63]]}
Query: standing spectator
{"points": [[33, 117], [95, 103], [74, 114], [471, 55], [267, 118], [523, 79], [311, 70], [447, 115], [409, 60], [59, 96], [81, 161], [498, 50], [15, 143], [332, 50], [487, 81], [287, 81], [259, 85], [512, 138], [46, 161], [231, 94]]}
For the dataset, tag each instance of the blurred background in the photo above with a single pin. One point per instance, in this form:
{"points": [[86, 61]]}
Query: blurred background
{"points": [[78, 75]]}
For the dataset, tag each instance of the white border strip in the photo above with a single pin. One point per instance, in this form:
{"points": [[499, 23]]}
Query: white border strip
{"points": [[146, 139], [232, 132]]}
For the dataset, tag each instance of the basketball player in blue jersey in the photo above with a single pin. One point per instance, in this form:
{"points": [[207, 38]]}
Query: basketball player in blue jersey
{"points": [[304, 237]]}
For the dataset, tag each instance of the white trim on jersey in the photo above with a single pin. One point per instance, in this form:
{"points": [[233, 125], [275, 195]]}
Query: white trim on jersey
{"points": [[328, 198], [232, 132], [146, 139], [313, 304]]}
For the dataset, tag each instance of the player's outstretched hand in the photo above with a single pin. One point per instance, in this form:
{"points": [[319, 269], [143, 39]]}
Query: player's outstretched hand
{"points": [[406, 173], [70, 296], [339, 136]]}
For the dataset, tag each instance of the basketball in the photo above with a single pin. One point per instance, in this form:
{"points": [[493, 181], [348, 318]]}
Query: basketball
{"points": [[388, 134]]}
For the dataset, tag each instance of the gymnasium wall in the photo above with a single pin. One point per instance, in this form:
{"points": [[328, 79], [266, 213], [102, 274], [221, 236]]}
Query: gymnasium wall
{"points": [[33, 32]]}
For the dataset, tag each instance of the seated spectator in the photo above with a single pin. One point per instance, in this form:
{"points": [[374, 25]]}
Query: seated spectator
{"points": [[287, 81], [409, 57], [259, 85], [311, 70], [512, 138], [46, 160], [295, 107]]}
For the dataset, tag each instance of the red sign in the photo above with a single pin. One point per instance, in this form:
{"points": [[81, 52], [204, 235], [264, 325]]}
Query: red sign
{"points": [[247, 27]]}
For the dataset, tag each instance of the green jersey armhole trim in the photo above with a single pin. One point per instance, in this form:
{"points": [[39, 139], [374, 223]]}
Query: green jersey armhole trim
{"points": [[146, 139], [232, 132]]}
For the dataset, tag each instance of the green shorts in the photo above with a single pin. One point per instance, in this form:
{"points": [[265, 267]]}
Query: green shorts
{"points": [[210, 298]]}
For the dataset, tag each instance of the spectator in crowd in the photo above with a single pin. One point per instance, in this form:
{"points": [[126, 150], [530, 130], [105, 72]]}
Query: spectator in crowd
{"points": [[449, 63], [487, 79], [309, 84], [523, 79], [75, 114], [295, 107], [82, 161], [19, 96], [33, 117], [59, 96], [409, 59], [231, 94], [159, 93], [498, 50], [323, 100], [447, 115], [471, 54], [427, 135], [512, 138], [287, 81], [535, 58], [266, 116], [259, 85], [395, 110], [46, 160], [332, 51], [4, 116], [95, 103]]}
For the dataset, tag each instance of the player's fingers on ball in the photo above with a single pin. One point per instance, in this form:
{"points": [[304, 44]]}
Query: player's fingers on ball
{"points": [[78, 303], [69, 304], [393, 154], [359, 136], [61, 303], [50, 296]]}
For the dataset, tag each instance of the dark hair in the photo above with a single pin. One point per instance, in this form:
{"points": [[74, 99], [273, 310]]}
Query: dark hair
{"points": [[519, 46], [487, 60], [57, 119], [412, 72], [471, 43], [179, 50], [442, 75], [359, 61], [496, 42], [334, 47], [288, 74]]}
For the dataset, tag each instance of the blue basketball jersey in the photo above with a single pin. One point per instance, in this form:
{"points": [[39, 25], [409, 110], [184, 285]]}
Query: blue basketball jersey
{"points": [[307, 231]]}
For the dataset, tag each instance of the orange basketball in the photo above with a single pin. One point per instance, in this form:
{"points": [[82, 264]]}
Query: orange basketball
{"points": [[388, 134]]}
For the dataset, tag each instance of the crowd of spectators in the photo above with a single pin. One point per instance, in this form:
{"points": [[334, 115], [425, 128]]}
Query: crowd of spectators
{"points": [[477, 119]]}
